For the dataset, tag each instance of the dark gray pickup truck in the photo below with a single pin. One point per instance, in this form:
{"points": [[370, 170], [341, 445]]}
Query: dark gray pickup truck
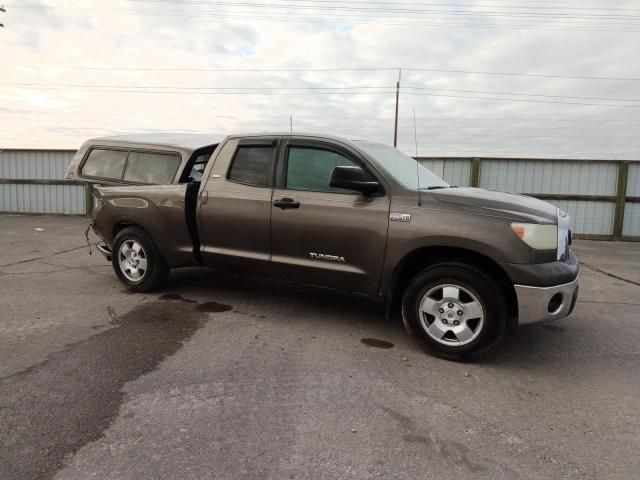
{"points": [[466, 265]]}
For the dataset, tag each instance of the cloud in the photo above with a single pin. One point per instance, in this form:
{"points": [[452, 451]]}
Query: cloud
{"points": [[147, 71]]}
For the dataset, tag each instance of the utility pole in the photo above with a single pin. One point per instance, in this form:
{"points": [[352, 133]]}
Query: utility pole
{"points": [[415, 130], [291, 123], [395, 128]]}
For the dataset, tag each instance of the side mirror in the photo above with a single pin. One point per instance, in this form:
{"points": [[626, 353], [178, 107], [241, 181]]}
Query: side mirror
{"points": [[354, 178]]}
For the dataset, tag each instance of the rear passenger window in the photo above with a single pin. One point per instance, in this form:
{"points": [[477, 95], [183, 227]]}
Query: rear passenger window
{"points": [[107, 164], [251, 165], [158, 168]]}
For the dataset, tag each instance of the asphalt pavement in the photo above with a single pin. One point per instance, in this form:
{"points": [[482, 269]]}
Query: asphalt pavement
{"points": [[228, 377]]}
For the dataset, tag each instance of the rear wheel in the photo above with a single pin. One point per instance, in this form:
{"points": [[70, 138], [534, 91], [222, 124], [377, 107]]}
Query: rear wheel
{"points": [[137, 262], [456, 310]]}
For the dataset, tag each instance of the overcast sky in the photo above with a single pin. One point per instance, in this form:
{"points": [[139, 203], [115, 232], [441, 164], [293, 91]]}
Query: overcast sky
{"points": [[72, 70]]}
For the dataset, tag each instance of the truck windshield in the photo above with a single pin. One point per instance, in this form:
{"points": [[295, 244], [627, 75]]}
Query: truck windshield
{"points": [[402, 167]]}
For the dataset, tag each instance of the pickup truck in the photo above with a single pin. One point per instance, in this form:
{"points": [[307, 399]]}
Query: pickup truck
{"points": [[463, 265]]}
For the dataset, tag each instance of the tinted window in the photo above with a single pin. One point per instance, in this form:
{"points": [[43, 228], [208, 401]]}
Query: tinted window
{"points": [[104, 164], [251, 165], [157, 168], [310, 169]]}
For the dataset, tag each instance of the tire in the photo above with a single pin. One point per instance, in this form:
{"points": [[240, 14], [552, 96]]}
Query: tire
{"points": [[137, 261], [458, 311]]}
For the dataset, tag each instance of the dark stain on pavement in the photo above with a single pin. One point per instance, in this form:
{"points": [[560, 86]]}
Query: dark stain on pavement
{"points": [[374, 342], [52, 409], [213, 307], [176, 298]]}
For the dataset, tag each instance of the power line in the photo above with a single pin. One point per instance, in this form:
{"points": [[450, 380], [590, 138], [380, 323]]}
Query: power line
{"points": [[499, 130], [329, 69], [526, 94], [287, 124], [515, 74], [179, 92], [315, 90], [492, 5], [387, 9], [345, 7], [178, 87], [326, 120], [528, 100], [547, 120], [336, 18]]}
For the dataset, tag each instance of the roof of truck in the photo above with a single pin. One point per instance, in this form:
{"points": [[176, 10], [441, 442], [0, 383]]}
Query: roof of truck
{"points": [[182, 141], [318, 135], [189, 142]]}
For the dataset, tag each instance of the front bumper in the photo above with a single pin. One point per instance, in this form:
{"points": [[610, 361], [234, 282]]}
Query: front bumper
{"points": [[543, 304]]}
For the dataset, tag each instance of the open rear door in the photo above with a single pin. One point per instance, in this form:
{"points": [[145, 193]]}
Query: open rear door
{"points": [[160, 210]]}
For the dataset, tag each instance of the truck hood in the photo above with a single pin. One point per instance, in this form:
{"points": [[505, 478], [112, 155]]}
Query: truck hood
{"points": [[507, 204]]}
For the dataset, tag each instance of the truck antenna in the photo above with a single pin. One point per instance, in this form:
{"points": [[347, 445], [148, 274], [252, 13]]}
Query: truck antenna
{"points": [[395, 125]]}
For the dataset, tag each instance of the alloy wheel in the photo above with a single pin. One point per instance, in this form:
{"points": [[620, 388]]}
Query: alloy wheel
{"points": [[133, 260], [451, 315]]}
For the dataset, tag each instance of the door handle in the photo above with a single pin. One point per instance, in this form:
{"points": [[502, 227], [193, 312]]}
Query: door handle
{"points": [[286, 203], [204, 197]]}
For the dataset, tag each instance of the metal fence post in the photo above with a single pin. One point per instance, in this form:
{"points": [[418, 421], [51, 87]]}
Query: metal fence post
{"points": [[621, 199], [475, 172]]}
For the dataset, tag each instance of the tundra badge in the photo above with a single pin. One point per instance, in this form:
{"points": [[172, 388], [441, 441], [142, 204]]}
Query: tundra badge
{"points": [[400, 217], [322, 256]]}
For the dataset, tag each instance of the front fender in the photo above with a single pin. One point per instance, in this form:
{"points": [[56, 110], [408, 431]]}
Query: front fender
{"points": [[483, 235]]}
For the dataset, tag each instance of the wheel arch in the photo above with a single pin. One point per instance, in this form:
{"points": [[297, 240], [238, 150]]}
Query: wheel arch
{"points": [[122, 224], [421, 258]]}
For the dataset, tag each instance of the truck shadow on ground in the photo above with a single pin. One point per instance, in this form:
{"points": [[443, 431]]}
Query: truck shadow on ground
{"points": [[267, 298], [550, 345]]}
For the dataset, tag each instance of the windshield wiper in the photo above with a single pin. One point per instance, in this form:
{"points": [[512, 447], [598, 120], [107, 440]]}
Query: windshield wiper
{"points": [[436, 187]]}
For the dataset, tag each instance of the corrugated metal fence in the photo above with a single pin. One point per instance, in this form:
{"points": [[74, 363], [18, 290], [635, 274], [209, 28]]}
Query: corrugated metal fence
{"points": [[31, 181], [603, 197]]}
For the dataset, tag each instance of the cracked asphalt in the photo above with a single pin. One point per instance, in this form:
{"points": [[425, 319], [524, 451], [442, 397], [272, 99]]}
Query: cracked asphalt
{"points": [[228, 377]]}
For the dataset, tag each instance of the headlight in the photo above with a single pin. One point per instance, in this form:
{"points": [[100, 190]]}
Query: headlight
{"points": [[539, 237]]}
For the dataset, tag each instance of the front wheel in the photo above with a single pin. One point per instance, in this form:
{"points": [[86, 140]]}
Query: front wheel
{"points": [[137, 262], [457, 310]]}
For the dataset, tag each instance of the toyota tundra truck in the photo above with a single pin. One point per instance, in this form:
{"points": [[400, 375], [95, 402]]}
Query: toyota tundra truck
{"points": [[464, 266]]}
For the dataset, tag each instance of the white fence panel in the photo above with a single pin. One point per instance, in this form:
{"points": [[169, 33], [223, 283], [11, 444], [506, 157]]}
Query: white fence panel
{"points": [[588, 217], [453, 170], [550, 176], [35, 164], [633, 180], [36, 198], [631, 226]]}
